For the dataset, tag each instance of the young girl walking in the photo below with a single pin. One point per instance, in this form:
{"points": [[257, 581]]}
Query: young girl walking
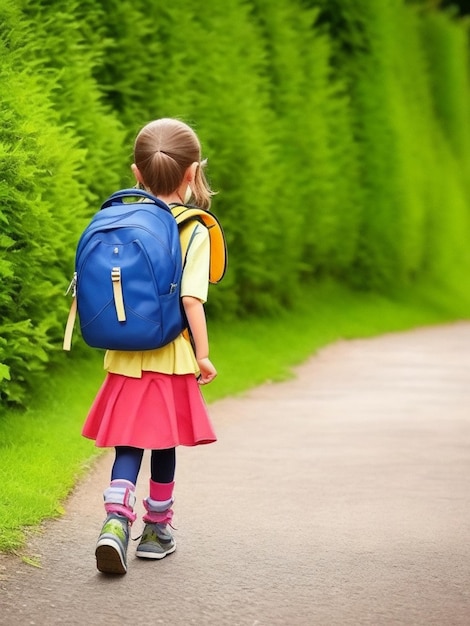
{"points": [[151, 400]]}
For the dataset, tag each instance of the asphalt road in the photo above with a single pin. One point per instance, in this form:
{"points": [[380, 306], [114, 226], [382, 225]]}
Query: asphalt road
{"points": [[340, 497]]}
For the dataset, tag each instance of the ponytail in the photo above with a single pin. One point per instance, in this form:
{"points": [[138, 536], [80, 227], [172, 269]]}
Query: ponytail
{"points": [[202, 193]]}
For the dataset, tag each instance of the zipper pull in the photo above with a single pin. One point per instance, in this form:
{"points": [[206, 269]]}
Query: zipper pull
{"points": [[73, 286]]}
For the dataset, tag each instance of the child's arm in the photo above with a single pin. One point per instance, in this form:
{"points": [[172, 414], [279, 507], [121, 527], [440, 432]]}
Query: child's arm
{"points": [[196, 317]]}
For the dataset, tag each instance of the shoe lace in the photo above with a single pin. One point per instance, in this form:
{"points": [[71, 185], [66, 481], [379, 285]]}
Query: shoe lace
{"points": [[153, 524]]}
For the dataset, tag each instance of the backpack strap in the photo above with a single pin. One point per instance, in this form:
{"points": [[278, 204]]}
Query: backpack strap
{"points": [[187, 231], [72, 288], [69, 326], [117, 293], [218, 246]]}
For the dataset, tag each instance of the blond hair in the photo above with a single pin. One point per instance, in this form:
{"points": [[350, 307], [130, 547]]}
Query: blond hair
{"points": [[163, 151]]}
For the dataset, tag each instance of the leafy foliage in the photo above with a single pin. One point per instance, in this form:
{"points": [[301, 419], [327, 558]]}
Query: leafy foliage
{"points": [[45, 185], [337, 133]]}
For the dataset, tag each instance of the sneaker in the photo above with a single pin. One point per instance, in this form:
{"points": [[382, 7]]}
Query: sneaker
{"points": [[111, 548], [156, 542]]}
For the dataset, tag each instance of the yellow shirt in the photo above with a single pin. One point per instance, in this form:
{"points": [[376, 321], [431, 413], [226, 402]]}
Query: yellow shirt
{"points": [[178, 356]]}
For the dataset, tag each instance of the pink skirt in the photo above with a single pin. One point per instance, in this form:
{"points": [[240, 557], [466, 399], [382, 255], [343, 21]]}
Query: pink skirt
{"points": [[154, 412]]}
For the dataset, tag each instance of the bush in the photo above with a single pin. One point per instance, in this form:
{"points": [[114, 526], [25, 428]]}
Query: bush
{"points": [[337, 132], [46, 186]]}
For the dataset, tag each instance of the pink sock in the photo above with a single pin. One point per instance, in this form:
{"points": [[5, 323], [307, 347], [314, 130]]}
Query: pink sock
{"points": [[161, 492], [158, 504]]}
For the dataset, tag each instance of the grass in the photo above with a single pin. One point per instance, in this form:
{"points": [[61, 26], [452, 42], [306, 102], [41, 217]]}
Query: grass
{"points": [[42, 454]]}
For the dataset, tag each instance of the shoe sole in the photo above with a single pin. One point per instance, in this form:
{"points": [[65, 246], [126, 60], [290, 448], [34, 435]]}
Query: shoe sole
{"points": [[154, 555], [108, 559]]}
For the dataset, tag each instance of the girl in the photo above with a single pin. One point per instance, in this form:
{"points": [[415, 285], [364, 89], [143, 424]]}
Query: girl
{"points": [[151, 400]]}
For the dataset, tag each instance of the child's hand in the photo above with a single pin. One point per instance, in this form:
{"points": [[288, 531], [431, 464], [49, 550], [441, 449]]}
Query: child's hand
{"points": [[208, 371]]}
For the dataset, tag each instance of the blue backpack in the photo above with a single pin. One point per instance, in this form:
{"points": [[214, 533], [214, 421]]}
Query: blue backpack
{"points": [[128, 268]]}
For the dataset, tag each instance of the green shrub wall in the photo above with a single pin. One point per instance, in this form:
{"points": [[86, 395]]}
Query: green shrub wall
{"points": [[337, 134]]}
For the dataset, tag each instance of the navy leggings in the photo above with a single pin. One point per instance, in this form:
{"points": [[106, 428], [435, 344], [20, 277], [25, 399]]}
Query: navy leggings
{"points": [[128, 460]]}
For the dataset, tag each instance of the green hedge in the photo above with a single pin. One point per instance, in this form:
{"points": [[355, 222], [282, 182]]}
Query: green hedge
{"points": [[55, 135], [337, 133]]}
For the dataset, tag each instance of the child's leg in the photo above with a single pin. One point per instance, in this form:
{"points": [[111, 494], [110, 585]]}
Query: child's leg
{"points": [[119, 500], [119, 496], [127, 464], [162, 472], [162, 465], [157, 540]]}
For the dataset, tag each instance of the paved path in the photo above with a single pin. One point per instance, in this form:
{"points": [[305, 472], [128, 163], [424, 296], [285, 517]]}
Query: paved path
{"points": [[338, 498]]}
